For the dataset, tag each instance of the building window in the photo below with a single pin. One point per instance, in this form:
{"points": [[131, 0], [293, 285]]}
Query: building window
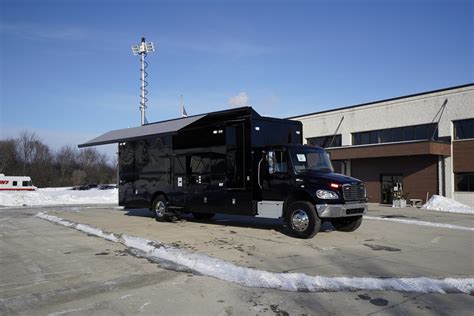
{"points": [[399, 134], [464, 129], [464, 182], [326, 141]]}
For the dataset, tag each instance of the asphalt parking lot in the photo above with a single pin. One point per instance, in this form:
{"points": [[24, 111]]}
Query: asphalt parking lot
{"points": [[51, 269]]}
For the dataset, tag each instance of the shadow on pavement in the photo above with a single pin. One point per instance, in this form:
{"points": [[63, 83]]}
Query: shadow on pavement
{"points": [[233, 221]]}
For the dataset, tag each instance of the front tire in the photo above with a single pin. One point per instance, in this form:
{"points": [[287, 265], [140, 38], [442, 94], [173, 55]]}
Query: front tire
{"points": [[302, 220], [347, 224], [160, 209]]}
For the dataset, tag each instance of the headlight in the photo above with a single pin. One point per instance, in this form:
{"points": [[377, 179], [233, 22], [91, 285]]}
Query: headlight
{"points": [[326, 195]]}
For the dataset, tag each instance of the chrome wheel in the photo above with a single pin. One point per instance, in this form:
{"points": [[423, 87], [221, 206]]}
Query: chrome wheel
{"points": [[160, 209], [299, 220], [302, 220]]}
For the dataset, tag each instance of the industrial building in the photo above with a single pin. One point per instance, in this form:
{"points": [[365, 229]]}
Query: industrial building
{"points": [[422, 144]]}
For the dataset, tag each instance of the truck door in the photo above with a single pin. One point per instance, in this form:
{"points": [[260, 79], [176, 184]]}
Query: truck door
{"points": [[198, 178], [235, 159], [275, 176], [238, 198]]}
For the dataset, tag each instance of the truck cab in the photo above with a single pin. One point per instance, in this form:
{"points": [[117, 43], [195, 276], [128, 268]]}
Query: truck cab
{"points": [[299, 181]]}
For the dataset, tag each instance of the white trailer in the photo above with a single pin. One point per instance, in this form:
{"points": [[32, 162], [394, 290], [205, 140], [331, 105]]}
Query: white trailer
{"points": [[16, 183]]}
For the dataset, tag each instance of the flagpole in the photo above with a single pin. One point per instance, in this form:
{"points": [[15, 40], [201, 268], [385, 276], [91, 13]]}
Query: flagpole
{"points": [[183, 110]]}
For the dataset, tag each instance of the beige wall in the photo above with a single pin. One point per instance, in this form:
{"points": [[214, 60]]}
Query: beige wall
{"points": [[404, 112]]}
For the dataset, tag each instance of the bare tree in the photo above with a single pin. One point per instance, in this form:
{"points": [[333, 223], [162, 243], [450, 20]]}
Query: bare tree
{"points": [[9, 160], [88, 157], [41, 167], [66, 162], [78, 177], [26, 147], [28, 155]]}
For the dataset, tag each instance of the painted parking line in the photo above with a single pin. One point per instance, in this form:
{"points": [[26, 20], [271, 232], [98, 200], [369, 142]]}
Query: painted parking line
{"points": [[420, 223], [179, 259]]}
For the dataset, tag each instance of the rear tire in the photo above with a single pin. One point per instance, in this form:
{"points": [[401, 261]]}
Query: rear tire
{"points": [[160, 209], [347, 224], [203, 216], [302, 220]]}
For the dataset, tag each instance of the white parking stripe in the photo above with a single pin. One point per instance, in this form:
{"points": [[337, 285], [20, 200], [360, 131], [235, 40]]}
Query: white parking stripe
{"points": [[420, 223], [249, 277]]}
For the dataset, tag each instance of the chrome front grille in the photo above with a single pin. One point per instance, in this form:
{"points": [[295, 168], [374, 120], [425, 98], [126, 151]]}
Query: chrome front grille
{"points": [[354, 192]]}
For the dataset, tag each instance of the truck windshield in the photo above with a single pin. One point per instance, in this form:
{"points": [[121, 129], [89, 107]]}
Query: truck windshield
{"points": [[315, 160]]}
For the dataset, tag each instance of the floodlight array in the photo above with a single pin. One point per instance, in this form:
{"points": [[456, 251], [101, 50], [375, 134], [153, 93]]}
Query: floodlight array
{"points": [[149, 47], [143, 48], [136, 49]]}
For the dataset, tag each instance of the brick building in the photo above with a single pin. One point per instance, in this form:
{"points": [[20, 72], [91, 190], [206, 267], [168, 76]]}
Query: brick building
{"points": [[423, 143]]}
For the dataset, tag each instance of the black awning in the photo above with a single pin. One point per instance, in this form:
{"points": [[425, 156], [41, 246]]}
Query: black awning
{"points": [[127, 134]]}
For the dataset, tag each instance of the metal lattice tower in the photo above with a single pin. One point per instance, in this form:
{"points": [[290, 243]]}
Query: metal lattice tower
{"points": [[143, 49]]}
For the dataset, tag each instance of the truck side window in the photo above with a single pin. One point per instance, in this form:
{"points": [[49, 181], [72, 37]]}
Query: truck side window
{"points": [[277, 162], [199, 168], [180, 164], [200, 164]]}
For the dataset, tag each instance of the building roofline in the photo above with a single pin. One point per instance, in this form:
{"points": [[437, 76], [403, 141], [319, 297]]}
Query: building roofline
{"points": [[384, 100]]}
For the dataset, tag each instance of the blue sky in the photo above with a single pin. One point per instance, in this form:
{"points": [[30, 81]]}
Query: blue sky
{"points": [[68, 73]]}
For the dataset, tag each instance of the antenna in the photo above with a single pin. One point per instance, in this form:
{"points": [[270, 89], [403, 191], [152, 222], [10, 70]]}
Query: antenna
{"points": [[143, 49], [440, 112], [335, 133]]}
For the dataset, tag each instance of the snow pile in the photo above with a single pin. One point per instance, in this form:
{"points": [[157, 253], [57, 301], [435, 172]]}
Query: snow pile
{"points": [[58, 196], [420, 223], [81, 227], [444, 204], [249, 277]]}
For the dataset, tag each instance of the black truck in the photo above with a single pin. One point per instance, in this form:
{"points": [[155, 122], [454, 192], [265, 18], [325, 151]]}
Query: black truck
{"points": [[234, 162]]}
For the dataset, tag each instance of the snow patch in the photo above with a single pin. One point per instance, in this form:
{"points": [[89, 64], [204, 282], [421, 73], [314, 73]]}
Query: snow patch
{"points": [[81, 227], [96, 232], [58, 196], [444, 204], [249, 277], [420, 223]]}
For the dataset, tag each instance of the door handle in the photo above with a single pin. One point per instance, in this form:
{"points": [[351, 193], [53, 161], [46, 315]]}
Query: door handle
{"points": [[258, 175]]}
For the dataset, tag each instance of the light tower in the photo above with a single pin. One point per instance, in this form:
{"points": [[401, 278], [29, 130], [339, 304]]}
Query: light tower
{"points": [[143, 49]]}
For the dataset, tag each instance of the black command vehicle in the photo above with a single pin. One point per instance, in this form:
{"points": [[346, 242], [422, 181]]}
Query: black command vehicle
{"points": [[234, 162]]}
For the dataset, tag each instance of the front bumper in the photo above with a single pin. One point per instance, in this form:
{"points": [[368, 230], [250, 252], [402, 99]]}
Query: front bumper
{"points": [[341, 210]]}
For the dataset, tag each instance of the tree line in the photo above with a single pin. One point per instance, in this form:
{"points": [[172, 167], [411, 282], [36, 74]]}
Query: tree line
{"points": [[28, 155]]}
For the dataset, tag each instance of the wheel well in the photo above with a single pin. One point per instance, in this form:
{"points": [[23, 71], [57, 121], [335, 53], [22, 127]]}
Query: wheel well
{"points": [[297, 196], [155, 195]]}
